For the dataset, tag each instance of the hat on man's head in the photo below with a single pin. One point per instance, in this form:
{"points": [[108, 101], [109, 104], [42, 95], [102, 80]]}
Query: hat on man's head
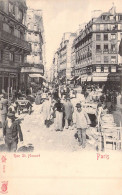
{"points": [[78, 105], [11, 114]]}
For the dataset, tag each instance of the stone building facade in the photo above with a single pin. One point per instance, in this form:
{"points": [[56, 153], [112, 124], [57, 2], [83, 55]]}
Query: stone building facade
{"points": [[13, 45], [63, 58], [96, 48], [35, 36]]}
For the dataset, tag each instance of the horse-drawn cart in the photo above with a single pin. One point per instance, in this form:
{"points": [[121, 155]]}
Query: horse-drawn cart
{"points": [[23, 105]]}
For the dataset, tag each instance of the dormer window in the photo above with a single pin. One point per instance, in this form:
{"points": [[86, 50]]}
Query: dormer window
{"points": [[111, 17], [104, 17]]}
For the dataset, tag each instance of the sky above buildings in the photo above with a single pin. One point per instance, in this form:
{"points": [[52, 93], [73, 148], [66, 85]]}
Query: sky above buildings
{"points": [[61, 16]]}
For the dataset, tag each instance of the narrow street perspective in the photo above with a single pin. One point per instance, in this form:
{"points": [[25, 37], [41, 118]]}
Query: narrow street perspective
{"points": [[59, 92]]}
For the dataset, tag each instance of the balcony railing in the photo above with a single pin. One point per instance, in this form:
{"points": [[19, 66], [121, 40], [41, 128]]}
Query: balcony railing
{"points": [[105, 51], [98, 50], [13, 40]]}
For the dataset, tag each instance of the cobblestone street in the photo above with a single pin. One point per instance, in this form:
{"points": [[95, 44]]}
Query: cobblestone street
{"points": [[36, 134]]}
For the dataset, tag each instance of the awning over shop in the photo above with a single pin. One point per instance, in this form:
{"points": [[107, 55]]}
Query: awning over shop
{"points": [[78, 78], [99, 79], [114, 77], [36, 76], [32, 70]]}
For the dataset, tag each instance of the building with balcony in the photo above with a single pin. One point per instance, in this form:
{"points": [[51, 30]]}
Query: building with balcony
{"points": [[35, 36], [95, 51], [55, 67], [63, 57], [13, 45]]}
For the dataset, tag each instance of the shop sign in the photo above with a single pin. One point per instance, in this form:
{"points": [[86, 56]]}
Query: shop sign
{"points": [[31, 70], [99, 79]]}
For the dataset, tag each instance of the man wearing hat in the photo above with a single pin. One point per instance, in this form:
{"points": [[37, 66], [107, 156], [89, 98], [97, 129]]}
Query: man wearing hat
{"points": [[11, 130], [82, 122], [68, 112]]}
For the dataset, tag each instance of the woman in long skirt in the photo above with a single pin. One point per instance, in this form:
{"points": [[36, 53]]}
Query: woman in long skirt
{"points": [[58, 122]]}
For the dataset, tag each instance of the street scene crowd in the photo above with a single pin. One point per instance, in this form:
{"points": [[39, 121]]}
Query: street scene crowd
{"points": [[92, 113]]}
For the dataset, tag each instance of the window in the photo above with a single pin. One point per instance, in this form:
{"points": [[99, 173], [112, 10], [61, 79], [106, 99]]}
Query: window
{"points": [[105, 46], [113, 47], [21, 59], [113, 36], [120, 17], [105, 26], [113, 59], [1, 55], [98, 47], [11, 56], [21, 35], [11, 30], [104, 17], [98, 59], [105, 59], [11, 8], [97, 26], [20, 15], [111, 17], [98, 37], [120, 26], [6, 27], [114, 27], [105, 37]]}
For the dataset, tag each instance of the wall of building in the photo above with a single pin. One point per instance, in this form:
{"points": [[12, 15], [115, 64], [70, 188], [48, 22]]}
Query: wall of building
{"points": [[13, 46]]}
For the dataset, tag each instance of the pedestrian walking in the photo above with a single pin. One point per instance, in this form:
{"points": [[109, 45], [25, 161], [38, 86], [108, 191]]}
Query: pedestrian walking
{"points": [[58, 109], [82, 123], [68, 112], [11, 132], [46, 110], [99, 115], [3, 108], [38, 98]]}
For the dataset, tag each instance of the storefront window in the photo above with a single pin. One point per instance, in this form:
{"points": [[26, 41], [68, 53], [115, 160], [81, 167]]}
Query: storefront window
{"points": [[98, 69], [106, 69], [113, 69]]}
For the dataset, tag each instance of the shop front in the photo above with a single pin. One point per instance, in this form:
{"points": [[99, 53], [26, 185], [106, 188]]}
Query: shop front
{"points": [[8, 82]]}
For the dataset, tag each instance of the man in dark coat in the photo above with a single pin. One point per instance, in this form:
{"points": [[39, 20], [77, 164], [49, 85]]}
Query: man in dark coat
{"points": [[11, 130]]}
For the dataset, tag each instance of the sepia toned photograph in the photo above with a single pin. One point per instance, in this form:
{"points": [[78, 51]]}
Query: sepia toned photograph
{"points": [[60, 97]]}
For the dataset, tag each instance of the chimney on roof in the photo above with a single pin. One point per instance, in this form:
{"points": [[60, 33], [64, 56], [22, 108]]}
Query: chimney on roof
{"points": [[112, 10]]}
